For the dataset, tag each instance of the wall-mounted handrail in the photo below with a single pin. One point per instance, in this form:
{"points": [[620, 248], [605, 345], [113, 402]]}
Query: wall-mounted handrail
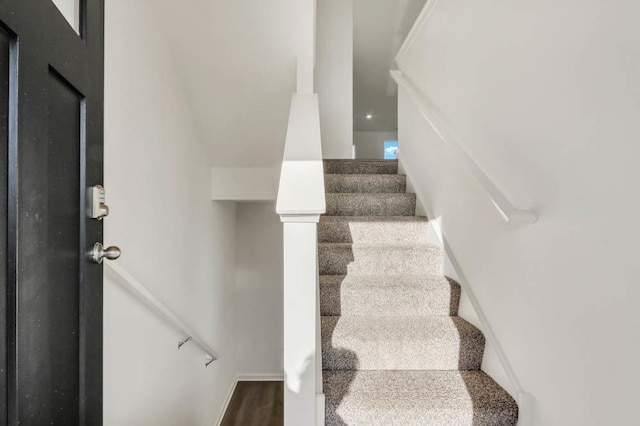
{"points": [[507, 210], [135, 287]]}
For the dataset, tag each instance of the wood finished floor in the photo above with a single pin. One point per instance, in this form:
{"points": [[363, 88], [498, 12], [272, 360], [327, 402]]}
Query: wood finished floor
{"points": [[256, 404]]}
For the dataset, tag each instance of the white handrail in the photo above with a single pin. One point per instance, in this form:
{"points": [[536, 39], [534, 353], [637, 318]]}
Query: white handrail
{"points": [[425, 13], [135, 287], [524, 398], [509, 212]]}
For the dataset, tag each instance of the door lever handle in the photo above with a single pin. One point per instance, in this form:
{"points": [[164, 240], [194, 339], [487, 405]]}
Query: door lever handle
{"points": [[99, 253]]}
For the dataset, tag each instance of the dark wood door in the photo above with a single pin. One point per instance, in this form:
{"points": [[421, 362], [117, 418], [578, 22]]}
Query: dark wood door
{"points": [[51, 151]]}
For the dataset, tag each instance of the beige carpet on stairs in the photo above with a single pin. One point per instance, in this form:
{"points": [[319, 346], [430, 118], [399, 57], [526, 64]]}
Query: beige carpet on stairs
{"points": [[394, 351]]}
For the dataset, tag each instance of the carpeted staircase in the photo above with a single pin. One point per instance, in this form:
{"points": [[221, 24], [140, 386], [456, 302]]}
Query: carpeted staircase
{"points": [[394, 351]]}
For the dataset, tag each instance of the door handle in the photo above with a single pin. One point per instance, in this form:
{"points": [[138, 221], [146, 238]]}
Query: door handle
{"points": [[99, 253]]}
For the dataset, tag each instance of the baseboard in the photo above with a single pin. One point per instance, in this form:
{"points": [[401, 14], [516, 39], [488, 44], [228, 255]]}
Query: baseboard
{"points": [[227, 401], [277, 377], [320, 404], [524, 399], [246, 378], [525, 409]]}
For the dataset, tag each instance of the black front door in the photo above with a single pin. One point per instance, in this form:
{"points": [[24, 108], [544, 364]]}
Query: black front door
{"points": [[51, 152]]}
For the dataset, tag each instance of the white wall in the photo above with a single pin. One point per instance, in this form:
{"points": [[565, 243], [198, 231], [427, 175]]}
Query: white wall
{"points": [[244, 184], [371, 144], [70, 9], [237, 66], [174, 239], [259, 291], [334, 76], [544, 95], [379, 28]]}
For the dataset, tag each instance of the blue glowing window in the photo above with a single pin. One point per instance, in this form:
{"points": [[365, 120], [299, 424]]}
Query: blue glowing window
{"points": [[391, 150]]}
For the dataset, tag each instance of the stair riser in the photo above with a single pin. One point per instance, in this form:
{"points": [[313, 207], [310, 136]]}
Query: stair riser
{"points": [[334, 231], [385, 357], [391, 301], [425, 398], [360, 167], [379, 260], [342, 415], [365, 183], [391, 350], [371, 204]]}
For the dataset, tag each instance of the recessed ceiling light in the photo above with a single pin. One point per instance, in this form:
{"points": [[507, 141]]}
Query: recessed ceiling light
{"points": [[369, 116]]}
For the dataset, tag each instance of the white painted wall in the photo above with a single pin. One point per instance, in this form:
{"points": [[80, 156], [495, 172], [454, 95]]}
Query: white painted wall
{"points": [[371, 144], [334, 76], [244, 183], [70, 9], [174, 239], [259, 291], [379, 28], [237, 66], [544, 96]]}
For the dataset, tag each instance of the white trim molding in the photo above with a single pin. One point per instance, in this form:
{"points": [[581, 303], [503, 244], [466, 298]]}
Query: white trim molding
{"points": [[261, 377], [417, 26], [320, 409], [524, 399], [227, 401], [507, 210]]}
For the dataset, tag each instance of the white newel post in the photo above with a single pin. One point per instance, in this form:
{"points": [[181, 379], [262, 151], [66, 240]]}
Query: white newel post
{"points": [[301, 201], [300, 317]]}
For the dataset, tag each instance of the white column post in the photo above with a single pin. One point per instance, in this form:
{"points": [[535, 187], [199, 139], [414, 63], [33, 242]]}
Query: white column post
{"points": [[305, 67], [300, 317], [301, 201]]}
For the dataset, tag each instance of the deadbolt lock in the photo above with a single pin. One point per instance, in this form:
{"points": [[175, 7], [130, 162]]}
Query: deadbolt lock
{"points": [[96, 207]]}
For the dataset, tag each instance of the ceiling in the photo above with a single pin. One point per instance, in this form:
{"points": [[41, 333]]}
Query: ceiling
{"points": [[379, 28]]}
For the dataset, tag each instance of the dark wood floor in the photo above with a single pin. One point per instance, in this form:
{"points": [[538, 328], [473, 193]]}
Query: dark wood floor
{"points": [[256, 404]]}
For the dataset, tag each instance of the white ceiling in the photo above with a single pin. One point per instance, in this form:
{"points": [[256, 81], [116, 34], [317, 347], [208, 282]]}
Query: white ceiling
{"points": [[379, 28]]}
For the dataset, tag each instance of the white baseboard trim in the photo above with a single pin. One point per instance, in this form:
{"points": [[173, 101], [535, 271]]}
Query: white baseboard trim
{"points": [[525, 409], [227, 401], [247, 378], [320, 400], [524, 399], [320, 409], [276, 377]]}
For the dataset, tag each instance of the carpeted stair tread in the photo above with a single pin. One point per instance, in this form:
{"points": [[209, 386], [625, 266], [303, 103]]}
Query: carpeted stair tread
{"points": [[380, 204], [394, 351], [412, 398], [400, 343], [388, 295], [360, 166], [369, 183], [382, 259], [372, 229]]}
